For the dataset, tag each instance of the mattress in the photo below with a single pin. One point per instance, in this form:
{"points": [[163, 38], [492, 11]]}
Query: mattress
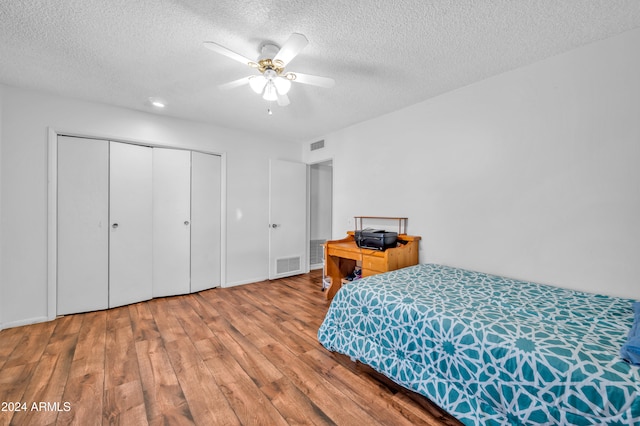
{"points": [[489, 349]]}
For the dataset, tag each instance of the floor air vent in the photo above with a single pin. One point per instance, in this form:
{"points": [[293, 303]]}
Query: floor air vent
{"points": [[289, 264], [316, 250], [317, 145]]}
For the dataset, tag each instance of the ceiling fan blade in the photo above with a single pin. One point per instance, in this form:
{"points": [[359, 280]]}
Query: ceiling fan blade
{"points": [[283, 100], [291, 48], [228, 53], [235, 83], [313, 80]]}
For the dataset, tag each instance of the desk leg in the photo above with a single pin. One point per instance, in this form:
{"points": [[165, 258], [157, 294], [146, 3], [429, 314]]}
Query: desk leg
{"points": [[337, 268], [333, 271]]}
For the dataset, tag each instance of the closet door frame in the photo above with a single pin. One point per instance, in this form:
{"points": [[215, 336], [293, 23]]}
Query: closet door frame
{"points": [[52, 204]]}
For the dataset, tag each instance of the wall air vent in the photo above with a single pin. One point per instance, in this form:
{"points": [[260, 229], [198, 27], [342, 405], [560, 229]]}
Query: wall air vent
{"points": [[291, 264], [317, 145]]}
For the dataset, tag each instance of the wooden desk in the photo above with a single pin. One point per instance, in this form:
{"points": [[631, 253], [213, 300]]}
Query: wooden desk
{"points": [[340, 258]]}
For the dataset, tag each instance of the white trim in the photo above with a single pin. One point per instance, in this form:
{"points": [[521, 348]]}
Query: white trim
{"points": [[223, 219], [244, 282], [52, 209], [113, 138], [1, 287], [52, 220], [307, 242], [26, 321]]}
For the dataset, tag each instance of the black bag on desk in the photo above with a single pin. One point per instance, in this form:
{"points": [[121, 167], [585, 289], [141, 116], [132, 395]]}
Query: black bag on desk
{"points": [[375, 239]]}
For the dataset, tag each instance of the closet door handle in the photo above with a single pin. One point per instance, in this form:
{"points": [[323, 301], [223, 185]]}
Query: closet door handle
{"points": [[186, 222], [114, 226]]}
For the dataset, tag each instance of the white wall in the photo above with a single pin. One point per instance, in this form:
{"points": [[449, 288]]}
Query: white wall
{"points": [[26, 117], [533, 174]]}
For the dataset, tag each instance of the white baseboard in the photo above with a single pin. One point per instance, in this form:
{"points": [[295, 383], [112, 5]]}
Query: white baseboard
{"points": [[243, 282], [22, 322]]}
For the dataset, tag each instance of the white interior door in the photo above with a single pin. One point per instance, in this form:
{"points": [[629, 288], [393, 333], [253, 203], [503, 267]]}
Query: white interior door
{"points": [[206, 181], [287, 218], [131, 231], [171, 221], [83, 223]]}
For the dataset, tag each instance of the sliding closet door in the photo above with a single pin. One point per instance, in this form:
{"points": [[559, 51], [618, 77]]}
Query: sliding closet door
{"points": [[131, 218], [83, 221], [171, 221], [205, 221]]}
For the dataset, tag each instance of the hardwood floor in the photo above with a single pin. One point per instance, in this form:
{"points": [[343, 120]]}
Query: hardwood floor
{"points": [[241, 355]]}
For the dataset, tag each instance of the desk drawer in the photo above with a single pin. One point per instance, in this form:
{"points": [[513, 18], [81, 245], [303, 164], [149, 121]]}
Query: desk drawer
{"points": [[369, 272], [343, 253], [374, 263]]}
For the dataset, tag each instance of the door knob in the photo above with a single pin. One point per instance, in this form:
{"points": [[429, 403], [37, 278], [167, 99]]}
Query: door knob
{"points": [[114, 226], [186, 222], [274, 225]]}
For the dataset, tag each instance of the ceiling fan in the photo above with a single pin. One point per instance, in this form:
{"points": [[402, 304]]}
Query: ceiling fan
{"points": [[273, 83]]}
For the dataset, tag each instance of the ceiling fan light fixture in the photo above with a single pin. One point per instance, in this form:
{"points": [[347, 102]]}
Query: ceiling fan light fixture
{"points": [[270, 92], [282, 85], [257, 83]]}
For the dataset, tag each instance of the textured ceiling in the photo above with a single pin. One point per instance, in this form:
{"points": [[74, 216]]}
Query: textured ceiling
{"points": [[384, 55]]}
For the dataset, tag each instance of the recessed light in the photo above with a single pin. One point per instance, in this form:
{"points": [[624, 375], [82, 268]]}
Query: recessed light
{"points": [[157, 102]]}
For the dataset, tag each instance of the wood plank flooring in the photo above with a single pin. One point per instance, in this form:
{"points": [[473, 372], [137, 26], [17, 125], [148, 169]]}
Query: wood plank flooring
{"points": [[243, 355]]}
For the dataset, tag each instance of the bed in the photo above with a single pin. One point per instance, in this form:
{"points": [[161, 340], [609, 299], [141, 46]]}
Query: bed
{"points": [[488, 349]]}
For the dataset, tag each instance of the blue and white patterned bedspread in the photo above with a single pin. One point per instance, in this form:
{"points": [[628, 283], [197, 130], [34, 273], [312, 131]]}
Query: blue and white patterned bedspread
{"points": [[491, 350]]}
